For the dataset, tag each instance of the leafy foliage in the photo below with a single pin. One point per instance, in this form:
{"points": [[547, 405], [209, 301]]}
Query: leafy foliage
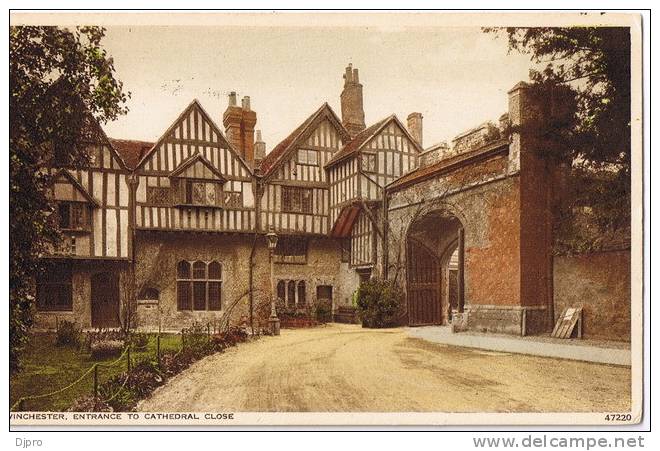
{"points": [[103, 349], [379, 303], [68, 334], [582, 95], [323, 311], [61, 81]]}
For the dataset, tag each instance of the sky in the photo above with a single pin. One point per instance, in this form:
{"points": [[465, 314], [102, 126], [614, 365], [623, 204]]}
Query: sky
{"points": [[457, 77]]}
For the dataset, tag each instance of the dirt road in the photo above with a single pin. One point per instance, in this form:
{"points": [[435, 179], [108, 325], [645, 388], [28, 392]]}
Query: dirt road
{"points": [[347, 368]]}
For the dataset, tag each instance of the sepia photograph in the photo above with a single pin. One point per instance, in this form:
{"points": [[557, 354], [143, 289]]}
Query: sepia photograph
{"points": [[306, 218]]}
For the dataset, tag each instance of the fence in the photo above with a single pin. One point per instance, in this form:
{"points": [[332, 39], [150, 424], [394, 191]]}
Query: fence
{"points": [[217, 327], [124, 358]]}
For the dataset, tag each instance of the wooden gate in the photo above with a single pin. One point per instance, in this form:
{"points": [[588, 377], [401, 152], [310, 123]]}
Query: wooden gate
{"points": [[105, 300], [424, 298]]}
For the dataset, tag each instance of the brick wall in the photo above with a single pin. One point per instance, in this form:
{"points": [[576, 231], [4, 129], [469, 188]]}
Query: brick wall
{"points": [[600, 283]]}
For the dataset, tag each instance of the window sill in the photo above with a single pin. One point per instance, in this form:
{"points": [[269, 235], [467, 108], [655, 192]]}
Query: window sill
{"points": [[54, 311], [219, 207]]}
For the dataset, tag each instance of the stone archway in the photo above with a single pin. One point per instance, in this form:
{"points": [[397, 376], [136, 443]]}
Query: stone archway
{"points": [[435, 268]]}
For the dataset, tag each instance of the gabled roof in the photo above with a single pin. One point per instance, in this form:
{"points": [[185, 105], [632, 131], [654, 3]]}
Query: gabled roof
{"points": [[289, 143], [81, 189], [344, 222], [365, 136], [185, 164], [131, 151], [205, 116]]}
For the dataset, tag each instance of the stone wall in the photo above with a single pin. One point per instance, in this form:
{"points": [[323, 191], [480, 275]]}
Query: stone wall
{"points": [[600, 284], [81, 313], [486, 201], [158, 254]]}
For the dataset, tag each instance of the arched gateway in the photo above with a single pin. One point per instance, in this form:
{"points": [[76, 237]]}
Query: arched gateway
{"points": [[435, 271]]}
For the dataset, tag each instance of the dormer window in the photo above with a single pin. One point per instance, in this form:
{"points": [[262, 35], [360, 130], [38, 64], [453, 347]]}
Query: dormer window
{"points": [[199, 183], [200, 193]]}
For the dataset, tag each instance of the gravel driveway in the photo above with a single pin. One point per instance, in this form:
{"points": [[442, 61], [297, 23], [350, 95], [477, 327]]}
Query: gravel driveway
{"points": [[347, 368]]}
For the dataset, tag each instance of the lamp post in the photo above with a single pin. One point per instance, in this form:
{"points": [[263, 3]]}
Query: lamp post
{"points": [[273, 321]]}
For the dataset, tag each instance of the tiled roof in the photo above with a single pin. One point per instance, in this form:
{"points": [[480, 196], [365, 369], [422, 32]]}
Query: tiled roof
{"points": [[448, 164], [130, 150], [357, 142], [275, 155]]}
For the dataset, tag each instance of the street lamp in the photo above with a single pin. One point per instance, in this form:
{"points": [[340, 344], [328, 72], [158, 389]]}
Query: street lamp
{"points": [[273, 321]]}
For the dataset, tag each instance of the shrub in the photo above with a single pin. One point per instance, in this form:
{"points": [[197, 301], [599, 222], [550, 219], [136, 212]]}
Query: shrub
{"points": [[101, 335], [172, 363], [68, 334], [123, 391], [106, 348], [224, 340], [139, 341], [118, 394], [144, 378], [196, 340], [89, 404], [323, 311], [378, 303]]}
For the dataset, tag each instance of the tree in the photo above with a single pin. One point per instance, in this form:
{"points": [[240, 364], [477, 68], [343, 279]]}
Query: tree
{"points": [[583, 89], [61, 82]]}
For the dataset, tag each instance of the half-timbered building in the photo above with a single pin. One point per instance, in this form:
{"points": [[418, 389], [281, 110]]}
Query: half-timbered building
{"points": [[179, 224], [87, 275]]}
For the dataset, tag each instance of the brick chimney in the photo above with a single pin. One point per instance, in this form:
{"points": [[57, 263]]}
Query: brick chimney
{"points": [[247, 130], [415, 127], [352, 110], [231, 119], [239, 122], [259, 149]]}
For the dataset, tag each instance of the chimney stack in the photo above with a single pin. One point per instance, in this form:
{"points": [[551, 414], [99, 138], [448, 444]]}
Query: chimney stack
{"points": [[259, 149], [352, 110], [415, 127], [239, 122], [247, 130]]}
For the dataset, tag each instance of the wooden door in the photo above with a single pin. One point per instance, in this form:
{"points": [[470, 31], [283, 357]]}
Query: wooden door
{"points": [[424, 298], [105, 300]]}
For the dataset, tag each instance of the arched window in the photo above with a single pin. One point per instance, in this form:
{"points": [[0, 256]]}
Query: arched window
{"points": [[302, 300], [199, 270], [215, 271], [201, 289], [215, 286], [281, 290], [291, 294], [150, 294], [183, 286], [183, 270]]}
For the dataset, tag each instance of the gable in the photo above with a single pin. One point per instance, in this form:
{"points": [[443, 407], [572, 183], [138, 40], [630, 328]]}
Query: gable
{"points": [[322, 129], [324, 135], [66, 188], [193, 132], [392, 136], [197, 167]]}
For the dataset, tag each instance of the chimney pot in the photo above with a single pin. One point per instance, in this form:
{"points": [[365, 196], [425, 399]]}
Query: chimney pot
{"points": [[259, 148], [246, 103], [232, 98]]}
